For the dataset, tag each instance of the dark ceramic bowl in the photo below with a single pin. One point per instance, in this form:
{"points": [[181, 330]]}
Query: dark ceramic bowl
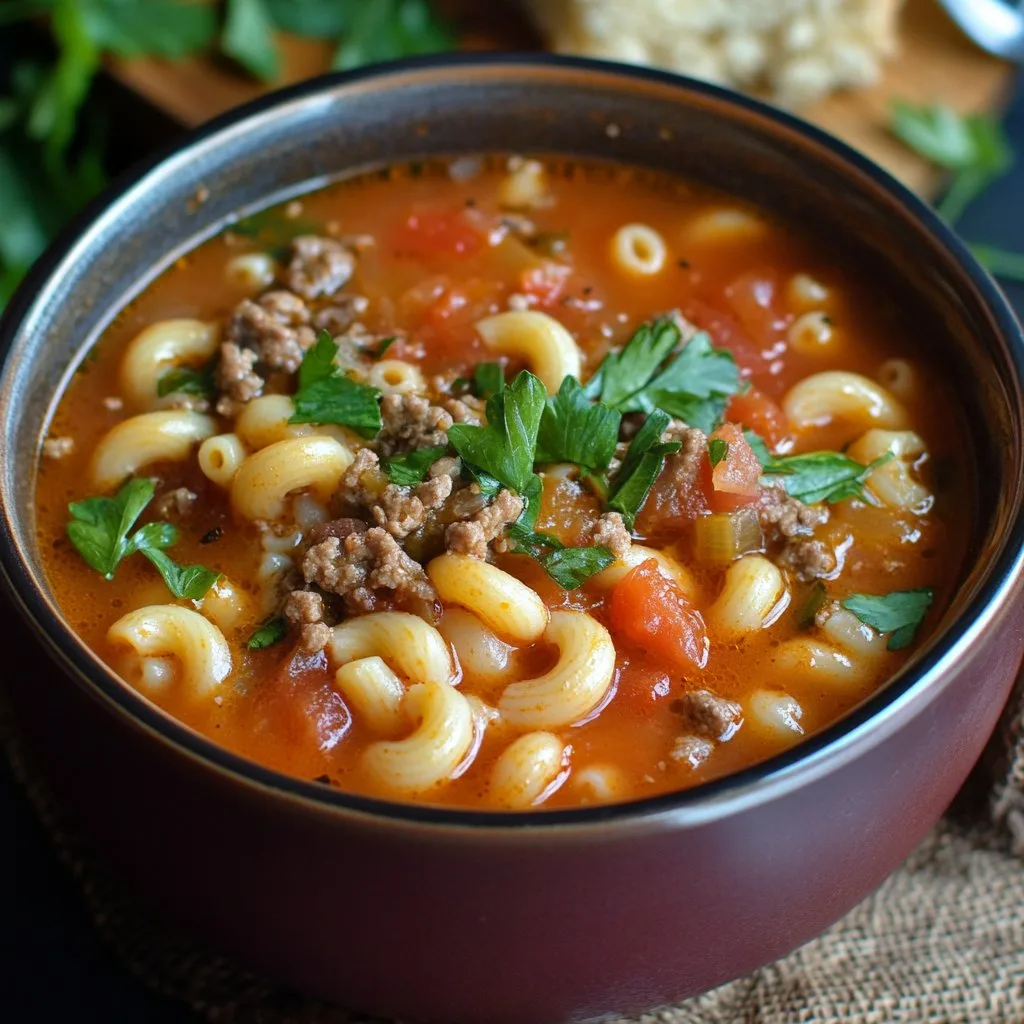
{"points": [[455, 916]]}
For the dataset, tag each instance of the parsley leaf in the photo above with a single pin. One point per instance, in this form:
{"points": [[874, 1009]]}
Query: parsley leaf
{"points": [[410, 468], [974, 147], [249, 38], [717, 450], [694, 386], [570, 568], [641, 467], [488, 379], [191, 581], [388, 29], [505, 447], [622, 375], [573, 429], [189, 381], [759, 448], [899, 614], [823, 476], [268, 634], [809, 607], [383, 346], [99, 526], [326, 396], [99, 531]]}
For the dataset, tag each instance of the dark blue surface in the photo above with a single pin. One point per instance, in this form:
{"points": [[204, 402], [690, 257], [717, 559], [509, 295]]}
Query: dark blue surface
{"points": [[53, 968]]}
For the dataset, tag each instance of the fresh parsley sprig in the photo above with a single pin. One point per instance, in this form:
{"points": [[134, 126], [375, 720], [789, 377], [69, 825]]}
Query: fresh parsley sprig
{"points": [[268, 634], [569, 567], [574, 429], [100, 531], [642, 465], [694, 385], [325, 395], [188, 380], [823, 476], [899, 613], [410, 468]]}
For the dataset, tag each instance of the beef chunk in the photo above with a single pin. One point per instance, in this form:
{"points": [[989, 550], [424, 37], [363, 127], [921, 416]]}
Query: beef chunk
{"points": [[319, 266], [808, 559], [472, 537], [341, 314], [304, 610], [366, 567], [411, 422], [237, 380], [363, 482], [683, 468], [402, 510], [610, 532], [711, 716], [783, 516], [465, 410], [339, 528], [175, 503], [276, 326], [692, 750]]}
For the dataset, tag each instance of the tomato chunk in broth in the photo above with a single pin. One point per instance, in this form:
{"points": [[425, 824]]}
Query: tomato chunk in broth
{"points": [[510, 484]]}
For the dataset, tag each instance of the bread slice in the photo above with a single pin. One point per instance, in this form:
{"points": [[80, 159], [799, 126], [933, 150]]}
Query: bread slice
{"points": [[791, 51]]}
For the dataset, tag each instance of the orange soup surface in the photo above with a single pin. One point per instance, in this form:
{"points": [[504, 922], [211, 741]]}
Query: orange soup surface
{"points": [[507, 484]]}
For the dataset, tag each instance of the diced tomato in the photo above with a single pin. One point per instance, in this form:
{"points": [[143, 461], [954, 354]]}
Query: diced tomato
{"points": [[426, 234], [759, 413], [649, 610], [734, 481], [545, 283]]}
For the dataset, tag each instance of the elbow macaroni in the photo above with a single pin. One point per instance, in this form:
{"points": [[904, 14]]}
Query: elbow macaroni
{"points": [[396, 377], [528, 770], [220, 457], [638, 250], [576, 685], [167, 629], [266, 478], [893, 483], [264, 421], [163, 346], [481, 653], [503, 603], [753, 595], [545, 345], [411, 646], [251, 272], [441, 741], [374, 692], [636, 555], [142, 440], [837, 395]]}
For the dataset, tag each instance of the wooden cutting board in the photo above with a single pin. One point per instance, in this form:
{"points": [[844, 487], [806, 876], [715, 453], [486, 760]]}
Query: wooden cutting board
{"points": [[938, 64]]}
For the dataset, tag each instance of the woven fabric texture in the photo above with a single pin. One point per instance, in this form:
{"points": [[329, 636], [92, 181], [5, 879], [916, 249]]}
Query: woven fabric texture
{"points": [[941, 941]]}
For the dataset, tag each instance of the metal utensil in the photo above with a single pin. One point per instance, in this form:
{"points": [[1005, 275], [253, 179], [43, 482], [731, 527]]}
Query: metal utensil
{"points": [[994, 25]]}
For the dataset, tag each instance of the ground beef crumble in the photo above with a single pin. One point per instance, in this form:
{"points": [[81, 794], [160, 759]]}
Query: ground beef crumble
{"points": [[237, 379], [783, 516], [276, 326], [304, 609], [711, 716], [318, 266], [808, 559], [362, 565], [610, 532], [693, 750], [411, 422], [472, 537]]}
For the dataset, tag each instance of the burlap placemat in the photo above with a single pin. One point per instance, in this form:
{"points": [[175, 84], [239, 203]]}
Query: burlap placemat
{"points": [[942, 940]]}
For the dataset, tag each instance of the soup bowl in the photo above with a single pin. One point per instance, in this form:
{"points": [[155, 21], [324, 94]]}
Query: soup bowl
{"points": [[449, 915]]}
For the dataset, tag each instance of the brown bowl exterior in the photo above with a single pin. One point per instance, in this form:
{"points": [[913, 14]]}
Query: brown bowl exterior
{"points": [[453, 916]]}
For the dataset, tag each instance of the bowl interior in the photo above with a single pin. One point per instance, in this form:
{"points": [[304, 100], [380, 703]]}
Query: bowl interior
{"points": [[313, 133]]}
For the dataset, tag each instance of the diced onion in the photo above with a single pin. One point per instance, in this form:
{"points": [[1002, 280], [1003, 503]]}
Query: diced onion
{"points": [[723, 537]]}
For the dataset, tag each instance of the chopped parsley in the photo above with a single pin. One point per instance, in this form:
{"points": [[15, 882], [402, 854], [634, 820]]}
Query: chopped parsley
{"points": [[808, 609], [410, 468], [383, 346], [504, 449], [574, 429], [488, 379], [694, 385], [189, 381], [100, 531], [268, 634], [899, 614], [642, 465], [823, 476], [325, 395], [718, 449], [569, 567], [760, 449]]}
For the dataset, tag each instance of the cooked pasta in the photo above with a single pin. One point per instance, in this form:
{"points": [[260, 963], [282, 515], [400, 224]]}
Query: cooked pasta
{"points": [[509, 485]]}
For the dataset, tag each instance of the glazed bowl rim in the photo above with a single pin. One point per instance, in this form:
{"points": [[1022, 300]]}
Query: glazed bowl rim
{"points": [[814, 756]]}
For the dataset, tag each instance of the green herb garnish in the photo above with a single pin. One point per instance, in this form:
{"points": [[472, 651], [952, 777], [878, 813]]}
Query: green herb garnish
{"points": [[823, 476], [325, 395], [642, 465], [410, 468], [718, 449], [573, 429], [504, 449], [488, 379], [188, 381], [384, 345], [899, 614], [809, 607], [759, 448], [569, 567], [268, 634], [99, 530]]}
